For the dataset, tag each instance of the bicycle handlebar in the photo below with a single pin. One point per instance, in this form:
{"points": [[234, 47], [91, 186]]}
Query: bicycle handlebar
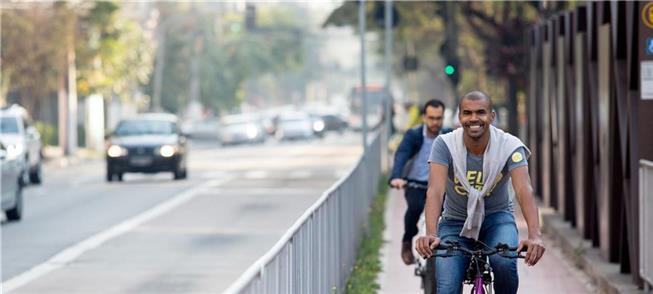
{"points": [[499, 249]]}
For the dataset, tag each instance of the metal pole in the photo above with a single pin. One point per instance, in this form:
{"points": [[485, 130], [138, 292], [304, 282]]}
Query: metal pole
{"points": [[388, 78], [361, 29], [155, 105]]}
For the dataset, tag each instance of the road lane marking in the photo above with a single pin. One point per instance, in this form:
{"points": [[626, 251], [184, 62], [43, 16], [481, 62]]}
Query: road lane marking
{"points": [[73, 252], [256, 175], [300, 174]]}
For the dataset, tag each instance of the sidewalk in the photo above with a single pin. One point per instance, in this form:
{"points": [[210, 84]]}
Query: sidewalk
{"points": [[553, 274], [54, 158]]}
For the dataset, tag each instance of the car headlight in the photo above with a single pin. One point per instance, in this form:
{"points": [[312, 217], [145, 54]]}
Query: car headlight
{"points": [[252, 132], [15, 150], [116, 151], [167, 151], [318, 126]]}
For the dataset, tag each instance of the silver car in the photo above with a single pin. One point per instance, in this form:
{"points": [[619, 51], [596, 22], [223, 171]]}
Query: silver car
{"points": [[22, 140], [295, 126], [11, 187], [238, 129]]}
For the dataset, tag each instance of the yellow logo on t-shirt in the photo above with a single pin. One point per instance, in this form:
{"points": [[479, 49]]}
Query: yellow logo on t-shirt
{"points": [[517, 157], [475, 179]]}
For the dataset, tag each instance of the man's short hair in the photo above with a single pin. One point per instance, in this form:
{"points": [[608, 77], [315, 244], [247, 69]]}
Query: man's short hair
{"points": [[432, 103], [476, 95]]}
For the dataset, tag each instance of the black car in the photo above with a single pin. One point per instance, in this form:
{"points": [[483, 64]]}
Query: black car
{"points": [[150, 143], [333, 122]]}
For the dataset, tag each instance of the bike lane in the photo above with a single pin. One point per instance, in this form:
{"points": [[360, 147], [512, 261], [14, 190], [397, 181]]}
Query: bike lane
{"points": [[552, 274]]}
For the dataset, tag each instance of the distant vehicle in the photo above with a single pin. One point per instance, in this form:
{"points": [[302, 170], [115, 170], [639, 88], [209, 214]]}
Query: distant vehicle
{"points": [[376, 97], [149, 143], [319, 126], [22, 140], [11, 188], [295, 126], [333, 122], [238, 129]]}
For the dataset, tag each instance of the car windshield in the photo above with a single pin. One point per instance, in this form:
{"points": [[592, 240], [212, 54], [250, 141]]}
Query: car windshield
{"points": [[8, 125], [145, 127]]}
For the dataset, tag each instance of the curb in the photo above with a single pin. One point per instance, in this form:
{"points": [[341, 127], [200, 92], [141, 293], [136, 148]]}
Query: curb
{"points": [[606, 276]]}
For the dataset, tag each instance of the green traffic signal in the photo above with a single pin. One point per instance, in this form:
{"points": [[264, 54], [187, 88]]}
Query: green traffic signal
{"points": [[449, 69]]}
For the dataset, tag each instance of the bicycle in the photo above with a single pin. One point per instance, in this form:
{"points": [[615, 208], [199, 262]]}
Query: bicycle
{"points": [[423, 269], [479, 271]]}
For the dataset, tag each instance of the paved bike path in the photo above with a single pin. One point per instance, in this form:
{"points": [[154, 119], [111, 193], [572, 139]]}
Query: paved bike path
{"points": [[553, 274]]}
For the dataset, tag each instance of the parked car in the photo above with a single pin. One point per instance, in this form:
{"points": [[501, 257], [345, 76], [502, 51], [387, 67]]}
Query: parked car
{"points": [[149, 143], [238, 129], [295, 126], [22, 140], [11, 188]]}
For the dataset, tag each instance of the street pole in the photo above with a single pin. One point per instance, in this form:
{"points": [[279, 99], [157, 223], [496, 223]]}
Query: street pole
{"points": [[155, 104], [361, 28], [388, 78]]}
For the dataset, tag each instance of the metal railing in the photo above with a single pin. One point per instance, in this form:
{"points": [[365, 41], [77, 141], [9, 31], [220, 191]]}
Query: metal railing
{"points": [[646, 220], [317, 254]]}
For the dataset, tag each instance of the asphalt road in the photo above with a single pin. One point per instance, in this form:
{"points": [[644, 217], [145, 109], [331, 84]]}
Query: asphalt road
{"points": [[151, 234]]}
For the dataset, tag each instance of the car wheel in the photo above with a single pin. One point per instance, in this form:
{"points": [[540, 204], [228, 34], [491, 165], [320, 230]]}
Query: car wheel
{"points": [[35, 175], [180, 173], [16, 213]]}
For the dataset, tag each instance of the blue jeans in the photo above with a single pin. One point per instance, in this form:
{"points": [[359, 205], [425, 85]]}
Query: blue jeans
{"points": [[498, 227]]}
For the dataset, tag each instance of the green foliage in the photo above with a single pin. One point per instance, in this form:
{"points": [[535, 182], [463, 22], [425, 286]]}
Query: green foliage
{"points": [[228, 55], [49, 133], [33, 41], [112, 53], [368, 263]]}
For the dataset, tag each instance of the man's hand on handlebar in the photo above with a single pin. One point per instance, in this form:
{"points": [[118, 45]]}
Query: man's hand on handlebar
{"points": [[398, 183], [535, 250], [425, 245]]}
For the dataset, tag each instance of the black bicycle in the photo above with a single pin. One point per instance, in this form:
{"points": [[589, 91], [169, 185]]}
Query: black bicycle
{"points": [[479, 271]]}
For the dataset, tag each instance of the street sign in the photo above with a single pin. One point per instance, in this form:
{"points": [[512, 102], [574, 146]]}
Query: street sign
{"points": [[646, 76]]}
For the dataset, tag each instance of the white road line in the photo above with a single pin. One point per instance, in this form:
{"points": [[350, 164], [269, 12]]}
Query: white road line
{"points": [[300, 174], [256, 175], [71, 253]]}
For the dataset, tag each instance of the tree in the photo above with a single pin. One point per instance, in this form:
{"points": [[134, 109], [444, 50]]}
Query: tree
{"points": [[113, 55], [34, 39], [228, 54]]}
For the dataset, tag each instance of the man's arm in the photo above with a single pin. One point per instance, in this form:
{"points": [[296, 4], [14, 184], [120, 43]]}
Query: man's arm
{"points": [[402, 155], [521, 183], [434, 200]]}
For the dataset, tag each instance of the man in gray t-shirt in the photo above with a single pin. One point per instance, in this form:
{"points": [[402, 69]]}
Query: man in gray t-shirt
{"points": [[498, 224], [455, 205]]}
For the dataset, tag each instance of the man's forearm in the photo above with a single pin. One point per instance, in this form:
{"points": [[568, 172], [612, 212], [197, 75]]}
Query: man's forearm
{"points": [[432, 210], [530, 212]]}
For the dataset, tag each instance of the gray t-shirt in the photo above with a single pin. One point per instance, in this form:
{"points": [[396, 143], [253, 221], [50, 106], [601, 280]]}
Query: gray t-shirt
{"points": [[455, 204]]}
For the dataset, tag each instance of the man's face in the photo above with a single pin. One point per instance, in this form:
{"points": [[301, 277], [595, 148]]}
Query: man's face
{"points": [[475, 116], [432, 119]]}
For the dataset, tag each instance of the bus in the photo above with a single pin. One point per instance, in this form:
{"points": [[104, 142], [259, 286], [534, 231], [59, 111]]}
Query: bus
{"points": [[376, 98]]}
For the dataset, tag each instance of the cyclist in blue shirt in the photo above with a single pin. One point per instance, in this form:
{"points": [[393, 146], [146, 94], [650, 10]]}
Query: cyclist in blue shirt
{"points": [[411, 164]]}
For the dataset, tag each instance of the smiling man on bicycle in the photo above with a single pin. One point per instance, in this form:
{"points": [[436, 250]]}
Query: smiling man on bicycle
{"points": [[473, 165]]}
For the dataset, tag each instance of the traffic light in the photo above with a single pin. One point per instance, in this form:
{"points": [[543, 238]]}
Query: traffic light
{"points": [[452, 61], [250, 17], [449, 69]]}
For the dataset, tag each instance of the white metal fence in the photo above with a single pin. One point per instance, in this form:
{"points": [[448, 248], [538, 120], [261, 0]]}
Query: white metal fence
{"points": [[646, 220], [317, 254]]}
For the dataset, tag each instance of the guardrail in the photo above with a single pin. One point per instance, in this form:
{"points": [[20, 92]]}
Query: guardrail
{"points": [[646, 220], [317, 254]]}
